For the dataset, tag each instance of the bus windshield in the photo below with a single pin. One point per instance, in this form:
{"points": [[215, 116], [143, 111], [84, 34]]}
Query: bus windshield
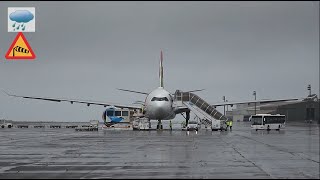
{"points": [[274, 119], [256, 120]]}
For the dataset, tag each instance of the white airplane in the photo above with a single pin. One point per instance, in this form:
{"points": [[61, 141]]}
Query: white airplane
{"points": [[158, 105]]}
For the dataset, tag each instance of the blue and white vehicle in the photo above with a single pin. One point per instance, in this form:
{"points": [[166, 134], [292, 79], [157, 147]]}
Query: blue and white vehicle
{"points": [[113, 115]]}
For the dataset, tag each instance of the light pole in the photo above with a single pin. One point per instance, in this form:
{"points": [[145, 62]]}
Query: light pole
{"points": [[309, 88], [224, 106], [227, 106], [255, 103]]}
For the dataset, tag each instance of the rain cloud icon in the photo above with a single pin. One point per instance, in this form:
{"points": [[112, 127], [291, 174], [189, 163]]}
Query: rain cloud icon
{"points": [[20, 17]]}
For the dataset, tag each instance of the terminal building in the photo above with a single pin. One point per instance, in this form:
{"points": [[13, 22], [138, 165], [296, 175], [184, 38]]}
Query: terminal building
{"points": [[304, 110]]}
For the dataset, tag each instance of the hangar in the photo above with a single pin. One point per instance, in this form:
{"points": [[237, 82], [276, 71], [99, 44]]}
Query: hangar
{"points": [[304, 110]]}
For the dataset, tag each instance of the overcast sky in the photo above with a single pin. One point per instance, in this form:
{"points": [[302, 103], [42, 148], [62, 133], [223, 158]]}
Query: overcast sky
{"points": [[86, 50]]}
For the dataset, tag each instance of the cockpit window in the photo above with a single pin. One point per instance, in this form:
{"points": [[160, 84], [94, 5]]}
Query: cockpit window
{"points": [[159, 99]]}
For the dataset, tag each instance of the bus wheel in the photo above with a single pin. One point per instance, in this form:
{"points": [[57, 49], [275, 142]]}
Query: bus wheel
{"points": [[268, 128]]}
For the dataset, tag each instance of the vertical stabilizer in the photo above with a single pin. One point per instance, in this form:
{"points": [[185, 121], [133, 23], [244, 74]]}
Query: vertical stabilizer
{"points": [[161, 70]]}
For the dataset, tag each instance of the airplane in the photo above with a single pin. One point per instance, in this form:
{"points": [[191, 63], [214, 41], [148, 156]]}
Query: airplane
{"points": [[158, 105]]}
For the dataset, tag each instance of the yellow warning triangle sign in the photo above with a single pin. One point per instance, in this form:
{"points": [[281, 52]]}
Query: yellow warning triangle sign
{"points": [[20, 49]]}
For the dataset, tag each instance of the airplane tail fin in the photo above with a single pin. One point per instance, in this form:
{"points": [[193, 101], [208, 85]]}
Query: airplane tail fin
{"points": [[161, 70]]}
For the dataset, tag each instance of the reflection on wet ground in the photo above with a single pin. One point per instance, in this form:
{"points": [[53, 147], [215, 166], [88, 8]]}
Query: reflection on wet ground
{"points": [[240, 153]]}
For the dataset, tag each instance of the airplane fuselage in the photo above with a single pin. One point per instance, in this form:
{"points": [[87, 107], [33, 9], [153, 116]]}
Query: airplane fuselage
{"points": [[159, 105]]}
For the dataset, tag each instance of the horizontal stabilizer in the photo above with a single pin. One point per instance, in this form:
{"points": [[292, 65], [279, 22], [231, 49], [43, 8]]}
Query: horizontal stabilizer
{"points": [[133, 91]]}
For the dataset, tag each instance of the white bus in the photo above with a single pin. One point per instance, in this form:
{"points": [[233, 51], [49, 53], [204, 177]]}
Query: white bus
{"points": [[267, 121]]}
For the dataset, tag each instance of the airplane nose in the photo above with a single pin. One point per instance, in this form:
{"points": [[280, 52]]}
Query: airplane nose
{"points": [[161, 112]]}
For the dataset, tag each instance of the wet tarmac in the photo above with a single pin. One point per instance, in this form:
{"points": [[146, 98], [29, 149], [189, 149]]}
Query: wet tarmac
{"points": [[241, 153]]}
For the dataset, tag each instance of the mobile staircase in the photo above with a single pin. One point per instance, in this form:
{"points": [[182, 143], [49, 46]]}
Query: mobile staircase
{"points": [[209, 115]]}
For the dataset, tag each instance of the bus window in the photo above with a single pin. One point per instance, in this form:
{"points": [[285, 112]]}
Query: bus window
{"points": [[256, 120], [109, 113], [282, 119], [275, 119], [268, 120], [117, 113], [125, 113]]}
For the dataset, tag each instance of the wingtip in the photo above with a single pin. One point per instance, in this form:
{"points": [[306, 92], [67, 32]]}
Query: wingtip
{"points": [[120, 89], [196, 90]]}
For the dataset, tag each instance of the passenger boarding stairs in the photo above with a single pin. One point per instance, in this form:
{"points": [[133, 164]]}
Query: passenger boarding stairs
{"points": [[201, 108]]}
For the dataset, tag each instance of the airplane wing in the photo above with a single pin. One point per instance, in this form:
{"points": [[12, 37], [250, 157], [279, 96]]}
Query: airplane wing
{"points": [[88, 102], [258, 101], [195, 90]]}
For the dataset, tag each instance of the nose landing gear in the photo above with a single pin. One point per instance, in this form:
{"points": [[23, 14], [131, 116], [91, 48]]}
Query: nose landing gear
{"points": [[159, 125]]}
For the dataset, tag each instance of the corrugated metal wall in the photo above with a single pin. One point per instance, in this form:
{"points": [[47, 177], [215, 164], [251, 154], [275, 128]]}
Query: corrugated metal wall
{"points": [[298, 112]]}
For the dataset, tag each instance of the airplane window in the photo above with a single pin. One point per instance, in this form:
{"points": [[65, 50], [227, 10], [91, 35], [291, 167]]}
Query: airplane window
{"points": [[118, 113], [125, 113], [159, 99], [109, 113]]}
